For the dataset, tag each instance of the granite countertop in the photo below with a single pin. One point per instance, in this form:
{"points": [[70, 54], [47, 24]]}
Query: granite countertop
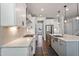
{"points": [[67, 37], [20, 42]]}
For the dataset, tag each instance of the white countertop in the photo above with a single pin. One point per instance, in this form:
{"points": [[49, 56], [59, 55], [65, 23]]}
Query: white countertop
{"points": [[20, 42], [67, 37], [13, 38]]}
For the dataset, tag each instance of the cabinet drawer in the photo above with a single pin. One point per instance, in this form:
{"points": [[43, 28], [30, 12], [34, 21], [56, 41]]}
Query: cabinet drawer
{"points": [[14, 51], [61, 42]]}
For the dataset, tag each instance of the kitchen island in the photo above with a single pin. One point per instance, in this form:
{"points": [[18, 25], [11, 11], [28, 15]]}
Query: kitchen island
{"points": [[68, 45], [19, 47]]}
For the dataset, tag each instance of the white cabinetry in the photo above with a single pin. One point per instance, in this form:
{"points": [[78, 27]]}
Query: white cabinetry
{"points": [[18, 47], [61, 48], [7, 14], [72, 48], [65, 48], [21, 14], [15, 51], [52, 42], [11, 15], [55, 44]]}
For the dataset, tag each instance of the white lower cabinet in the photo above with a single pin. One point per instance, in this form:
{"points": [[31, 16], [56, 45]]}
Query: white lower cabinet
{"points": [[65, 48], [15, 51], [72, 48], [61, 48], [34, 45], [54, 44]]}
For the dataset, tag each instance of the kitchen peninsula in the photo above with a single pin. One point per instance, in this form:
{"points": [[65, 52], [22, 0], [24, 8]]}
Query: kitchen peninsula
{"points": [[18, 42], [18, 47]]}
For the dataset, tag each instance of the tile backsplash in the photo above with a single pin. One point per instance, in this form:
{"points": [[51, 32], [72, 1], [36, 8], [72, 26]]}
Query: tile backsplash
{"points": [[6, 35]]}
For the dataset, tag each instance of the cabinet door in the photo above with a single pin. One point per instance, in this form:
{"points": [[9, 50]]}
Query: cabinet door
{"points": [[52, 42], [55, 44], [21, 14], [61, 48], [13, 14], [34, 45], [8, 14], [72, 48], [15, 51]]}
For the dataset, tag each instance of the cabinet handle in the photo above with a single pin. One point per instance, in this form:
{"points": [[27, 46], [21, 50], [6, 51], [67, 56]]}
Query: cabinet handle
{"points": [[53, 40], [61, 44]]}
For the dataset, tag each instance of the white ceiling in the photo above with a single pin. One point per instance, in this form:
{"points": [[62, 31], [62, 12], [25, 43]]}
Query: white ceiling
{"points": [[52, 8]]}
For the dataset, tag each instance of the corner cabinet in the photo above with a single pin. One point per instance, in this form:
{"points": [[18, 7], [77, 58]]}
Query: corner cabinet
{"points": [[11, 14]]}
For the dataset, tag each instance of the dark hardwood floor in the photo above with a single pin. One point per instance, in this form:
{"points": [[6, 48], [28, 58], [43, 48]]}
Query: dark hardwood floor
{"points": [[44, 50]]}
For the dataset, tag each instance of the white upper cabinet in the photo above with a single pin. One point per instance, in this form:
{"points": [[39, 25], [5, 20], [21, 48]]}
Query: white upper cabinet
{"points": [[12, 14], [21, 14], [7, 14]]}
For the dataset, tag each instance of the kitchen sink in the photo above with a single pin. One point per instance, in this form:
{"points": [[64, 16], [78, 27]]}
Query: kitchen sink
{"points": [[58, 36], [28, 35]]}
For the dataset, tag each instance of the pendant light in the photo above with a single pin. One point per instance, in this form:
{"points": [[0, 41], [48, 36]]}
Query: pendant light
{"points": [[77, 13], [58, 16], [58, 13], [65, 18]]}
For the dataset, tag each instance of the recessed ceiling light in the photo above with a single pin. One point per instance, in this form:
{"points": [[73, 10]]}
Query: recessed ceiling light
{"points": [[42, 9], [57, 15], [65, 21], [40, 15], [67, 9], [77, 18]]}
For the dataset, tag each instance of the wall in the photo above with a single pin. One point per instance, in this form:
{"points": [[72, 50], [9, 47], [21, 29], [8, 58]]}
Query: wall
{"points": [[51, 22]]}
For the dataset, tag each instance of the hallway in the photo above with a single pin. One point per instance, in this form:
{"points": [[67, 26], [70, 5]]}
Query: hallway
{"points": [[43, 49]]}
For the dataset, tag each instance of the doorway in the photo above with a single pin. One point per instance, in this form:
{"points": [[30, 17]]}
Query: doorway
{"points": [[49, 30], [40, 33]]}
